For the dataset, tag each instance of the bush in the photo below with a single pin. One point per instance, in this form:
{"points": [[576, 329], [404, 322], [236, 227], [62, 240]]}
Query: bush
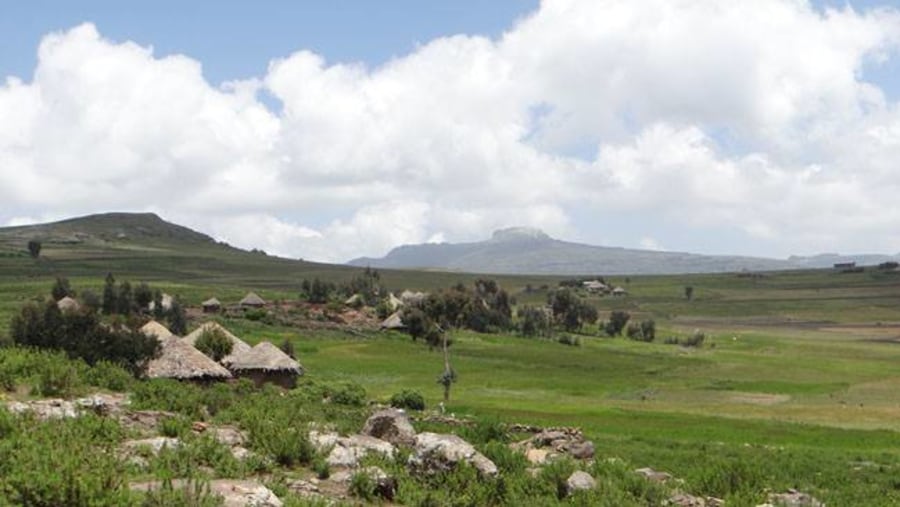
{"points": [[348, 394], [214, 344], [408, 399], [695, 340], [58, 378], [362, 486]]}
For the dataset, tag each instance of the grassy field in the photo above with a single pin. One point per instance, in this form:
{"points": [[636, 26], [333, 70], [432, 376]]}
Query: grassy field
{"points": [[797, 377]]}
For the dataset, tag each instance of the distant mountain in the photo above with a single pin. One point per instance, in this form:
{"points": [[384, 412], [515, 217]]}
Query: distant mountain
{"points": [[522, 250]]}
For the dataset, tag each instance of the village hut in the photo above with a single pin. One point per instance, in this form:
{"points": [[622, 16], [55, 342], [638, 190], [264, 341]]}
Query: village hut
{"points": [[252, 300], [211, 305], [156, 329], [238, 346], [68, 304], [266, 363], [619, 291], [394, 321], [181, 361]]}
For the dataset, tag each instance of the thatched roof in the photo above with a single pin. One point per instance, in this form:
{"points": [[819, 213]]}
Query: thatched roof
{"points": [[412, 298], [156, 329], [352, 299], [180, 360], [393, 322], [252, 299], [266, 357], [237, 345], [211, 302], [67, 304]]}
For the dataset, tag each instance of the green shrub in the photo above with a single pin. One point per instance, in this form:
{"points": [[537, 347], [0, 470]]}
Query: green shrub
{"points": [[408, 399], [214, 344], [349, 393], [174, 427], [362, 486], [58, 378], [110, 376], [320, 467], [695, 340]]}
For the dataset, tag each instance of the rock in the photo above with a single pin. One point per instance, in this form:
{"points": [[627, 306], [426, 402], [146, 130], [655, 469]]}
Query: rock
{"points": [[323, 441], [557, 441], [242, 453], [229, 436], [712, 501], [537, 456], [391, 425], [155, 444], [234, 493], [794, 498], [435, 453], [580, 481], [45, 409], [303, 488], [581, 450], [347, 451], [653, 475]]}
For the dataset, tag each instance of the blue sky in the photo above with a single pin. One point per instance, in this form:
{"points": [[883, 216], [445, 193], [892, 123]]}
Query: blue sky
{"points": [[350, 127], [236, 39]]}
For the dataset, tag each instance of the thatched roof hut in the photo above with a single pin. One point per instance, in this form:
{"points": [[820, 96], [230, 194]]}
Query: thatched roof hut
{"points": [[68, 304], [619, 291], [238, 346], [156, 329], [394, 302], [266, 363], [393, 321], [252, 300], [211, 305], [181, 361], [412, 298]]}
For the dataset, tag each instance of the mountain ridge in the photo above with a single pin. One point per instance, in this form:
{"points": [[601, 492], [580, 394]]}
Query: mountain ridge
{"points": [[522, 250]]}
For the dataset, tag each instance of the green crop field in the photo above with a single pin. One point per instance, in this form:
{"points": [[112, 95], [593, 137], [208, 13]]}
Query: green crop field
{"points": [[795, 385]]}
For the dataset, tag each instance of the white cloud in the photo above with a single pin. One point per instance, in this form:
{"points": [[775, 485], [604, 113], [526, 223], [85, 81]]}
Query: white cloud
{"points": [[748, 116]]}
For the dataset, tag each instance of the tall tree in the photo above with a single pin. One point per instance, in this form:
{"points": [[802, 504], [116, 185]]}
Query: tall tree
{"points": [[110, 297], [61, 288]]}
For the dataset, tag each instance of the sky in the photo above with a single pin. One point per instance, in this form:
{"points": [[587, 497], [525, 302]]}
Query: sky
{"points": [[332, 130]]}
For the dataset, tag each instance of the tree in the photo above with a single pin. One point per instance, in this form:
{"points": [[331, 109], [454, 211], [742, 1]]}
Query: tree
{"points": [[124, 300], [158, 311], [61, 288], [417, 323], [534, 321], [110, 298], [82, 335], [448, 377], [177, 318], [34, 248], [143, 296], [570, 310], [616, 323], [214, 344], [688, 292]]}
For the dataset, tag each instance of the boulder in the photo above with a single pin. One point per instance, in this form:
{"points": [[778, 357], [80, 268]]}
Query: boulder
{"points": [[436, 452], [558, 441], [580, 481], [347, 451], [45, 409], [391, 425]]}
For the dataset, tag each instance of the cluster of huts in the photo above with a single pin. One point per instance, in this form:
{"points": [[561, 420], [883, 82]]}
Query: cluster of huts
{"points": [[179, 359], [251, 300], [395, 305], [599, 287]]}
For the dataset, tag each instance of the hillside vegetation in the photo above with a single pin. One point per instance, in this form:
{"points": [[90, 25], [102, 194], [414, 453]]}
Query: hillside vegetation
{"points": [[793, 385]]}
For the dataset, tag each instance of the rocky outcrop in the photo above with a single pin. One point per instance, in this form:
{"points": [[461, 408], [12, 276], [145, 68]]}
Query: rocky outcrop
{"points": [[550, 443], [653, 475], [436, 453], [391, 425]]}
